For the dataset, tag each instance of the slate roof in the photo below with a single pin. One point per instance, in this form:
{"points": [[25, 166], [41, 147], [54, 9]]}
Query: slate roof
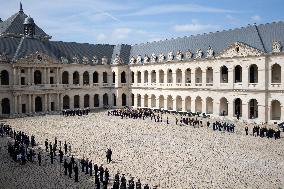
{"points": [[259, 37]]}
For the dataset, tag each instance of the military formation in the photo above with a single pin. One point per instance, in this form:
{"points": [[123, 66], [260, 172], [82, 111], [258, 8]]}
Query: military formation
{"points": [[78, 112]]}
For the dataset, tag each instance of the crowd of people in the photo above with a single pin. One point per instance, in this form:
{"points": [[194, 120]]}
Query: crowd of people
{"points": [[264, 132], [78, 112]]}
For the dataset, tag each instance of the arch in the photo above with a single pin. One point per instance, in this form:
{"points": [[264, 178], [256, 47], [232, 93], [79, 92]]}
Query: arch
{"points": [[123, 77], [146, 76], [170, 102], [146, 100], [132, 77], [5, 104], [223, 107], [198, 104], [253, 109], [178, 103], [86, 101], [161, 101], [38, 104], [76, 101], [169, 76], [253, 74], [238, 74], [132, 99], [65, 77], [138, 77], [209, 75], [224, 73], [123, 100], [238, 107], [188, 104], [105, 99], [275, 73], [275, 110], [96, 100], [198, 75], [37, 77], [4, 75], [86, 78], [138, 100], [153, 76], [105, 77], [114, 99], [187, 75], [161, 76], [178, 76], [95, 77], [153, 101], [76, 78], [209, 105], [113, 77], [66, 102]]}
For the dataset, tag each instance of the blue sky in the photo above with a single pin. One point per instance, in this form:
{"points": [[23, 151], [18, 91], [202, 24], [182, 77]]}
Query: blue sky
{"points": [[131, 22]]}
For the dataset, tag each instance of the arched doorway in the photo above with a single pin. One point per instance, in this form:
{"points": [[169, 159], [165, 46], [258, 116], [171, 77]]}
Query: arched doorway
{"points": [[86, 78], [198, 104], [96, 100], [4, 75], [153, 101], [114, 99], [65, 77], [105, 99], [123, 100], [223, 107], [238, 74], [188, 75], [188, 104], [37, 77], [253, 109], [276, 73], [209, 75], [275, 110], [66, 102], [161, 101], [178, 76], [146, 100], [153, 76], [38, 104], [5, 104], [198, 75], [139, 77], [104, 77], [86, 101], [224, 74], [170, 102], [161, 76], [169, 76], [146, 76], [113, 77], [253, 74], [238, 107], [178, 103], [76, 101], [209, 105], [76, 79], [123, 77], [95, 77], [138, 100]]}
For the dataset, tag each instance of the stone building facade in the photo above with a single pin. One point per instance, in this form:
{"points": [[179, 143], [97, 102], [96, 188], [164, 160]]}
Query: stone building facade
{"points": [[227, 73]]}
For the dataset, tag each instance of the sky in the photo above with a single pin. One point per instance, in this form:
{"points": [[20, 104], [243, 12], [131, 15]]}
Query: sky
{"points": [[141, 21]]}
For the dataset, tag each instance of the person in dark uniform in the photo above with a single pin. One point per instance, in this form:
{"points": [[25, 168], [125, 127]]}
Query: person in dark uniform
{"points": [[39, 159], [65, 147], [51, 157], [96, 169], [70, 169], [65, 167], [108, 155], [91, 168], [87, 166], [131, 184], [123, 182], [72, 161], [101, 169], [76, 172], [106, 175], [246, 129], [138, 184], [46, 145], [146, 186], [83, 164], [60, 155]]}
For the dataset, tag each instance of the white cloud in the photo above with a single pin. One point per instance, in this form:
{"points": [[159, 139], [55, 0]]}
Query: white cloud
{"points": [[195, 27], [173, 8], [256, 18]]}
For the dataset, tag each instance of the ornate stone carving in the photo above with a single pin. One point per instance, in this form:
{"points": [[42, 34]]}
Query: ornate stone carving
{"points": [[210, 52], [117, 59], [64, 60], [170, 56], [95, 60], [276, 47], [85, 60], [104, 60], [139, 59], [146, 59], [4, 57], [199, 54], [179, 55], [75, 60], [188, 54], [162, 57], [153, 58], [132, 60], [37, 58], [239, 50]]}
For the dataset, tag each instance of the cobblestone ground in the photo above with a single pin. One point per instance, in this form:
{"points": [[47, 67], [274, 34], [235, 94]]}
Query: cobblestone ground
{"points": [[170, 156]]}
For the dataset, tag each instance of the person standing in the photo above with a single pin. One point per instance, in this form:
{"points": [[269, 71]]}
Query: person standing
{"points": [[70, 169], [39, 159], [65, 147], [91, 168], [83, 164], [138, 184], [60, 155], [246, 129], [65, 167], [46, 145], [76, 172]]}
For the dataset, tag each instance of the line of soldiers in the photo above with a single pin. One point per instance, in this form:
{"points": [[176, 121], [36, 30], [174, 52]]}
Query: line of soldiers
{"points": [[264, 132], [223, 126], [78, 112], [121, 183]]}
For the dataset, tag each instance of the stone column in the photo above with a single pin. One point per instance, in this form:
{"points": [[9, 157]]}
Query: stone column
{"points": [[135, 78], [44, 74], [135, 101], [183, 78], [32, 103], [20, 104], [204, 78], [183, 108], [15, 104], [92, 102], [193, 104], [32, 76], [29, 104], [81, 101], [14, 76], [58, 105], [91, 79], [174, 104], [165, 77], [70, 78], [245, 75], [230, 110], [149, 102], [19, 76], [71, 102], [45, 109], [174, 78], [216, 107], [203, 105], [192, 77], [57, 76], [166, 103], [81, 79], [157, 102], [60, 76], [29, 76], [48, 76]]}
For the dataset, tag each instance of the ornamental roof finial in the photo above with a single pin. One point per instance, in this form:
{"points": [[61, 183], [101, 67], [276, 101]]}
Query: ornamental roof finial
{"points": [[21, 7]]}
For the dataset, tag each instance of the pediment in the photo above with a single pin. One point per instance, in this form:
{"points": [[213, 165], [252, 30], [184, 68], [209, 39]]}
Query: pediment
{"points": [[38, 58], [239, 50]]}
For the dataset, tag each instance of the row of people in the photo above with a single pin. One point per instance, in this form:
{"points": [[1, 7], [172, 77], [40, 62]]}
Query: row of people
{"points": [[78, 112]]}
